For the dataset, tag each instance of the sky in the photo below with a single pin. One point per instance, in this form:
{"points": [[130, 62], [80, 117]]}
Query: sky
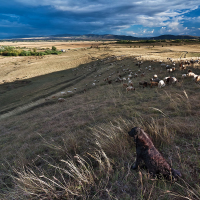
{"points": [[139, 18]]}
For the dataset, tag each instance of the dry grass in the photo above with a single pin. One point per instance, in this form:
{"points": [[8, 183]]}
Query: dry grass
{"points": [[80, 149]]}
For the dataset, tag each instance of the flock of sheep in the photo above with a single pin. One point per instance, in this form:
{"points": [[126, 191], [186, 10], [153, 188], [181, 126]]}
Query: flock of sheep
{"points": [[155, 81], [125, 75]]}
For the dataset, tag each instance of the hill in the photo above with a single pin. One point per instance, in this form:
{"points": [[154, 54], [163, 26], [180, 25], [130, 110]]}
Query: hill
{"points": [[78, 147], [100, 37]]}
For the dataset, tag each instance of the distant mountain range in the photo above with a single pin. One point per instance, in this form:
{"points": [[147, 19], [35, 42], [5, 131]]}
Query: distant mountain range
{"points": [[101, 37]]}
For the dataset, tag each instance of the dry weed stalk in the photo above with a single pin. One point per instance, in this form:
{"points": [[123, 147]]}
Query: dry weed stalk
{"points": [[192, 193], [81, 176], [178, 102]]}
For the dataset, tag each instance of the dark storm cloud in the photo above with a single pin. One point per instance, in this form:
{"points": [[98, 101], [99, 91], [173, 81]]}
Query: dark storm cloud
{"points": [[49, 17]]}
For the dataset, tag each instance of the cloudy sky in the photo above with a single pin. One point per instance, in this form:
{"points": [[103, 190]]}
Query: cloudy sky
{"points": [[121, 17]]}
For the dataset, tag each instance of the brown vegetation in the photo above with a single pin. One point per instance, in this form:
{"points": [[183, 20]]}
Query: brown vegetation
{"points": [[79, 148]]}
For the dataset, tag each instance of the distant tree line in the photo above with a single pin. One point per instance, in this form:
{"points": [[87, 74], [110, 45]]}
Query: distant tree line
{"points": [[12, 51]]}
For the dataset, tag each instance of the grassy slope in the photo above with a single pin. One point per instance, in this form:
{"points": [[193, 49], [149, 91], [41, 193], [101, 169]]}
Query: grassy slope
{"points": [[86, 136]]}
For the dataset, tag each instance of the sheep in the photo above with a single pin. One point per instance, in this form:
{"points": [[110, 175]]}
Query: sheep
{"points": [[154, 83], [63, 93], [118, 79], [155, 76], [182, 67], [194, 78], [197, 79], [69, 92], [171, 80], [131, 84], [61, 100], [130, 76], [171, 69], [184, 75], [174, 80], [161, 84], [168, 67], [130, 88], [165, 79], [155, 80], [135, 75], [191, 74], [125, 85]]}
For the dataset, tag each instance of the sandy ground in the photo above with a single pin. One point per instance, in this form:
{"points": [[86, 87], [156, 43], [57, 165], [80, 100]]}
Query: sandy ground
{"points": [[58, 45]]}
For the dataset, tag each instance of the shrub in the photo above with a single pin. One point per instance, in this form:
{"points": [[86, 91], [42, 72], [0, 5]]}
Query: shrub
{"points": [[25, 53], [53, 48], [11, 51], [33, 53], [41, 53]]}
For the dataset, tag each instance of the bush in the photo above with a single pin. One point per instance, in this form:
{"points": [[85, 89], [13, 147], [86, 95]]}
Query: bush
{"points": [[34, 50], [11, 51], [48, 52], [25, 53], [41, 53], [33, 53], [14, 53], [53, 48]]}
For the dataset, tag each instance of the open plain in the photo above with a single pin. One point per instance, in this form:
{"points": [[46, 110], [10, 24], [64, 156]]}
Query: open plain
{"points": [[64, 120]]}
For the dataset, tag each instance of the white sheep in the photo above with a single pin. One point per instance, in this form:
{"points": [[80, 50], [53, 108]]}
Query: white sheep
{"points": [[169, 70], [191, 74], [69, 92], [184, 75], [174, 79], [161, 84], [130, 76], [61, 100], [165, 79], [129, 88], [195, 76], [155, 76], [135, 75], [197, 79]]}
